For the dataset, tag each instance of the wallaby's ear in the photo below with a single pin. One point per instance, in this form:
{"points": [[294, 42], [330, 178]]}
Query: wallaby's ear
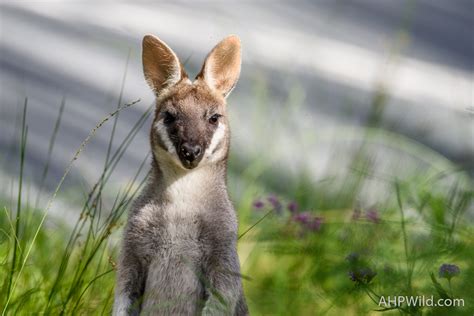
{"points": [[161, 66], [221, 68]]}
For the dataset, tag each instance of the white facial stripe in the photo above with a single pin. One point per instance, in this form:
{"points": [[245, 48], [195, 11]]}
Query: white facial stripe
{"points": [[163, 133], [216, 138]]}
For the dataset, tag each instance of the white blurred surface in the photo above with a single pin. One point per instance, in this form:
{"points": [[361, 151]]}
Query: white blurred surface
{"points": [[333, 54]]}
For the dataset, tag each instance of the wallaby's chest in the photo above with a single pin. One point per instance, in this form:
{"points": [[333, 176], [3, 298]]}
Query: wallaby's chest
{"points": [[174, 255], [175, 223], [171, 232]]}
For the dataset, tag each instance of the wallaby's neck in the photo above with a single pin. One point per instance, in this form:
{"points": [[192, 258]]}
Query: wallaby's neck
{"points": [[202, 183]]}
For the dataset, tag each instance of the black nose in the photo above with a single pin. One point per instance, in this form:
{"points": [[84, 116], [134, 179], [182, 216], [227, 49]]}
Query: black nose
{"points": [[190, 151]]}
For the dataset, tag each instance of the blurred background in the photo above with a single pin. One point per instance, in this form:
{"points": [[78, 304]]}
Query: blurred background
{"points": [[336, 62], [322, 82]]}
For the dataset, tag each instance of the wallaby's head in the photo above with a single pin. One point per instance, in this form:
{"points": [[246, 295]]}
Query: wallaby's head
{"points": [[190, 126]]}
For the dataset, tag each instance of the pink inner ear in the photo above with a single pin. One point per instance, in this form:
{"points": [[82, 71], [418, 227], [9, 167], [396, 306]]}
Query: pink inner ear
{"points": [[221, 69]]}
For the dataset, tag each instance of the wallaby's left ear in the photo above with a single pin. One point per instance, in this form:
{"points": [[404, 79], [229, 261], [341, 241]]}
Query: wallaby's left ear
{"points": [[221, 68]]}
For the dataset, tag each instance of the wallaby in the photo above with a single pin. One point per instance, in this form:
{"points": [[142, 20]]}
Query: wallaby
{"points": [[179, 253]]}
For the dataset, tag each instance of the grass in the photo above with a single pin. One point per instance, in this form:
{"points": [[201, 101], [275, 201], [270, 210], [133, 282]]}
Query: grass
{"points": [[329, 253], [306, 270]]}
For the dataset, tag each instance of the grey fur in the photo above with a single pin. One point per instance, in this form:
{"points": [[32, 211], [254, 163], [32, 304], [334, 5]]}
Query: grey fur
{"points": [[179, 254], [173, 264]]}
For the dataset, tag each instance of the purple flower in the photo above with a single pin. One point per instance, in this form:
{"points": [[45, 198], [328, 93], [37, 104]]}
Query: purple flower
{"points": [[367, 274], [448, 271], [258, 204], [362, 275], [373, 216], [276, 204], [308, 221], [315, 224], [293, 207], [302, 218], [352, 276]]}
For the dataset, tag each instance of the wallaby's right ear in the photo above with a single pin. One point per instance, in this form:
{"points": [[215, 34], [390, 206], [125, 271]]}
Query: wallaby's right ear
{"points": [[161, 66]]}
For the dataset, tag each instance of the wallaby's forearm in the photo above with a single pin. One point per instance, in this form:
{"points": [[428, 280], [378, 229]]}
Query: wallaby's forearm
{"points": [[223, 281], [130, 285]]}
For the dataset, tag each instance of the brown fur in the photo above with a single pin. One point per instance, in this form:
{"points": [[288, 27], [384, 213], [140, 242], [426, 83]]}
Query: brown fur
{"points": [[179, 254], [193, 104]]}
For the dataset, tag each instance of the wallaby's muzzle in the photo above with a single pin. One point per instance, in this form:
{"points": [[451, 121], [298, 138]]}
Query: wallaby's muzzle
{"points": [[190, 154]]}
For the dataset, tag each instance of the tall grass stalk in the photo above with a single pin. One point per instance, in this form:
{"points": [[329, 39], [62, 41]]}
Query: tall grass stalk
{"points": [[52, 141], [50, 201], [17, 237], [92, 201], [409, 267]]}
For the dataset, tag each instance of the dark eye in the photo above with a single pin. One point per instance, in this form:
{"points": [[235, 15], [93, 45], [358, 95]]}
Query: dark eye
{"points": [[168, 118], [214, 119]]}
